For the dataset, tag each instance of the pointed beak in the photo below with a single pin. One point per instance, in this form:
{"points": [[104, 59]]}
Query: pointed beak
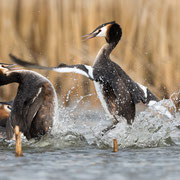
{"points": [[9, 66], [89, 36]]}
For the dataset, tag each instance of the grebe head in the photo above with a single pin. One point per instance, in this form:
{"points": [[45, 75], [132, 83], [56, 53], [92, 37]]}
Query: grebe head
{"points": [[111, 31], [7, 74], [4, 68], [5, 106]]}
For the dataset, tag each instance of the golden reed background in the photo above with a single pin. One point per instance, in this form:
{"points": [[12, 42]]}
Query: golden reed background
{"points": [[49, 32]]}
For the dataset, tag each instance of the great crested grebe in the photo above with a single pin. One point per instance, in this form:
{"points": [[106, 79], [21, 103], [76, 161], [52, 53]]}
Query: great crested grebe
{"points": [[5, 109], [33, 108], [117, 92]]}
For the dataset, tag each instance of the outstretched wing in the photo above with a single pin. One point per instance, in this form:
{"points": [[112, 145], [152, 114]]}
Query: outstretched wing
{"points": [[28, 64], [84, 70]]}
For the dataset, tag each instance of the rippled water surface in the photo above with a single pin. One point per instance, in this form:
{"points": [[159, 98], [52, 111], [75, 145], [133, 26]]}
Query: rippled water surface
{"points": [[92, 163], [76, 149]]}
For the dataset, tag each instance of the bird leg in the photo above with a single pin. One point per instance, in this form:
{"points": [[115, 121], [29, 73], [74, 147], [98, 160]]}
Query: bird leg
{"points": [[112, 126]]}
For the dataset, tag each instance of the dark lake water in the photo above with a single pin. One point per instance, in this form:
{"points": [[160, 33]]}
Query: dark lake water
{"points": [[75, 149]]}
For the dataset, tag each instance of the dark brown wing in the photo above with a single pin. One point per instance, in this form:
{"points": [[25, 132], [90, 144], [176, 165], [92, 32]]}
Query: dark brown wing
{"points": [[23, 111], [124, 101], [136, 91]]}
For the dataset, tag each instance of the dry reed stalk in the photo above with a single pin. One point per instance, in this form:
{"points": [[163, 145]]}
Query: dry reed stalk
{"points": [[49, 32], [18, 142]]}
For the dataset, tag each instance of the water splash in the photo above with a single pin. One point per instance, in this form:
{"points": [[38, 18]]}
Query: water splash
{"points": [[151, 128], [74, 127]]}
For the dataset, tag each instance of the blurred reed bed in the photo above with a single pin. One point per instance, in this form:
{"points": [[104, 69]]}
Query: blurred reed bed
{"points": [[49, 32]]}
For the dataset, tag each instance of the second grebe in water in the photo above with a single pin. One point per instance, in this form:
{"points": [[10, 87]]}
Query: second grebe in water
{"points": [[34, 106]]}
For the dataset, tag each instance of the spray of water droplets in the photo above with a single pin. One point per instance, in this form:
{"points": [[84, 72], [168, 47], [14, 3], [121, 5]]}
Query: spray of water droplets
{"points": [[76, 126]]}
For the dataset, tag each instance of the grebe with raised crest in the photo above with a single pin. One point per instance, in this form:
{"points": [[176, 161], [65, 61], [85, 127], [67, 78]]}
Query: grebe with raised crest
{"points": [[117, 92]]}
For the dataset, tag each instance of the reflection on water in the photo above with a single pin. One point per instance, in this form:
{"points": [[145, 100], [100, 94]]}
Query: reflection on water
{"points": [[75, 148]]}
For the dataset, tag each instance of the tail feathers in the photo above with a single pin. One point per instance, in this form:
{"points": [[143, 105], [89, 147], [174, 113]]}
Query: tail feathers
{"points": [[147, 95], [151, 97]]}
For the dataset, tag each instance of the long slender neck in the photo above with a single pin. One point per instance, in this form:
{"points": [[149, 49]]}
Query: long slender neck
{"points": [[10, 77], [108, 47], [105, 51]]}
